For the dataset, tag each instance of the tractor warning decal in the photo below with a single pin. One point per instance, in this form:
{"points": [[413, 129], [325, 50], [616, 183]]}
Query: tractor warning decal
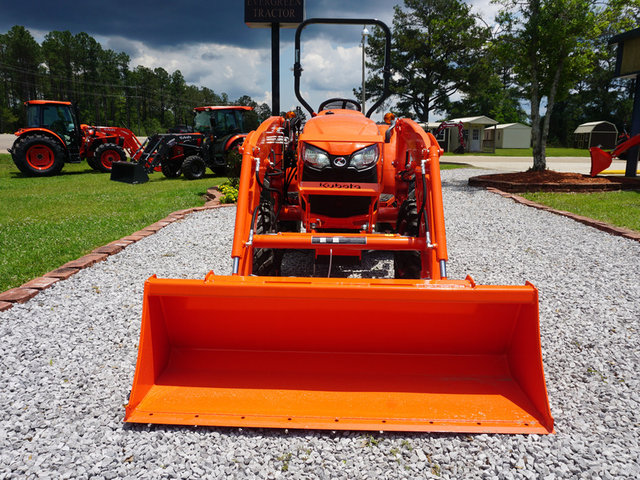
{"points": [[339, 240]]}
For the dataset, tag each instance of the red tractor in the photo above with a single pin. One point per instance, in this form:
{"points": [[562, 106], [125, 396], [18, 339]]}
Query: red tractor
{"points": [[54, 136], [219, 130]]}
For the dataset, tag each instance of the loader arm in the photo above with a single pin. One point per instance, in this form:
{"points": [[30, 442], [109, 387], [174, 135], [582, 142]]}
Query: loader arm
{"points": [[600, 160]]}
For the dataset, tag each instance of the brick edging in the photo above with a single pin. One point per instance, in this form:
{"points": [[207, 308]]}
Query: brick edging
{"points": [[605, 227], [30, 289]]}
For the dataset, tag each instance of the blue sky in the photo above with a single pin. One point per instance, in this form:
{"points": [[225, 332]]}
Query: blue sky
{"points": [[210, 44]]}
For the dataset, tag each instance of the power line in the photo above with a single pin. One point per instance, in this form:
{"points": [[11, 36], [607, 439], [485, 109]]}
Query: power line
{"points": [[70, 91], [75, 79], [52, 76]]}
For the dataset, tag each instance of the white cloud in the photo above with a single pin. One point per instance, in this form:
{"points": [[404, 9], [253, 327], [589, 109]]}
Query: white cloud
{"points": [[487, 9], [234, 70]]}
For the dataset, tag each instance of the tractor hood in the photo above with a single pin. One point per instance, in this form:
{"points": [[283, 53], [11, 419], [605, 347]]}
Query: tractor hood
{"points": [[334, 131]]}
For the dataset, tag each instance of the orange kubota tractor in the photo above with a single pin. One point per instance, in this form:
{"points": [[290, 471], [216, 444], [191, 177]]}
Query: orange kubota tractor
{"points": [[418, 352], [54, 136]]}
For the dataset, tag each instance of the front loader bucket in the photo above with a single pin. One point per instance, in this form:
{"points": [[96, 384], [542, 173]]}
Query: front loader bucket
{"points": [[128, 172], [340, 354], [600, 160]]}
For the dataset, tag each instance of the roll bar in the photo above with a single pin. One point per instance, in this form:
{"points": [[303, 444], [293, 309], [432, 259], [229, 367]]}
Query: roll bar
{"points": [[386, 69]]}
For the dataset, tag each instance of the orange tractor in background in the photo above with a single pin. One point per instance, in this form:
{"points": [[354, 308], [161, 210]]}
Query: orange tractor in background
{"points": [[418, 352], [54, 136]]}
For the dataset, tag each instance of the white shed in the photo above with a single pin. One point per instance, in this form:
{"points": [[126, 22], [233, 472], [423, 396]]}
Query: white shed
{"points": [[513, 135]]}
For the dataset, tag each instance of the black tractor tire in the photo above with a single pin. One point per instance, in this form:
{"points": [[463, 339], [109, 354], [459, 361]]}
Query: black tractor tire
{"points": [[194, 167], [266, 261], [171, 169], [232, 161], [408, 264], [38, 155], [93, 163], [106, 154]]}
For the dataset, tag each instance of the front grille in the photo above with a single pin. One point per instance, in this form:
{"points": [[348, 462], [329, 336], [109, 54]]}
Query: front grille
{"points": [[350, 175], [339, 206]]}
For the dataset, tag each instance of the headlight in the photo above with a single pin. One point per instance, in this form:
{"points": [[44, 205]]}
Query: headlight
{"points": [[365, 158], [315, 157]]}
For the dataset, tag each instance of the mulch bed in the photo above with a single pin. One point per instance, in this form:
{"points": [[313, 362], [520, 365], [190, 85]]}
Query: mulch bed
{"points": [[551, 181]]}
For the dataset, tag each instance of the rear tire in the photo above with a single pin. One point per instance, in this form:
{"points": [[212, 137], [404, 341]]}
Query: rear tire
{"points": [[106, 154], [194, 167], [38, 155], [266, 261], [408, 264]]}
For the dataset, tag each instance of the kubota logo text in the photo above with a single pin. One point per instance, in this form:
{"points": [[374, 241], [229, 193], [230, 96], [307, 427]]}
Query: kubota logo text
{"points": [[339, 185]]}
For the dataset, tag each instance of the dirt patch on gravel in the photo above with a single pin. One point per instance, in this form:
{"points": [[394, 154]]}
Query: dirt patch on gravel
{"points": [[551, 181]]}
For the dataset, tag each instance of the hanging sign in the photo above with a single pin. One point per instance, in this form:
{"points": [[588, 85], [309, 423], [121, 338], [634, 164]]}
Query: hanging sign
{"points": [[263, 13]]}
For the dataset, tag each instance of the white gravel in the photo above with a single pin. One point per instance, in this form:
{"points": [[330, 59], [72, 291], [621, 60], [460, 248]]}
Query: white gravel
{"points": [[68, 357]]}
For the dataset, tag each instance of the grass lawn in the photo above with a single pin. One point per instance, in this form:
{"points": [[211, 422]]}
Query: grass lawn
{"points": [[528, 152], [46, 222], [617, 208], [452, 166]]}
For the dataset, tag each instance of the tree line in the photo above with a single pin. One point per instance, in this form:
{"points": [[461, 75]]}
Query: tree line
{"points": [[100, 82], [546, 63]]}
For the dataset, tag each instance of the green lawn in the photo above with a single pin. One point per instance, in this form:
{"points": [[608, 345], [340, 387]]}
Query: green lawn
{"points": [[452, 166], [528, 152], [46, 222], [617, 208]]}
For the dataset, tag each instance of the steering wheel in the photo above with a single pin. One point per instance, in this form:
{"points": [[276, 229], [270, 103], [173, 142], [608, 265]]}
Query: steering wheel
{"points": [[343, 103]]}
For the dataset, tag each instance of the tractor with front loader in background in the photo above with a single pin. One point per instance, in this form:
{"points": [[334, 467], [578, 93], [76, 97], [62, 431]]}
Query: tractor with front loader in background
{"points": [[54, 136], [418, 352], [219, 130]]}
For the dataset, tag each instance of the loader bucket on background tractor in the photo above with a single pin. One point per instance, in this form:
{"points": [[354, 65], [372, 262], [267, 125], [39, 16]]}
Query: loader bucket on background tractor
{"points": [[600, 160], [411, 355], [129, 172]]}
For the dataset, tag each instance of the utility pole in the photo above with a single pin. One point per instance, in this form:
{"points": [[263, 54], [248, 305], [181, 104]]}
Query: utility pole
{"points": [[365, 32]]}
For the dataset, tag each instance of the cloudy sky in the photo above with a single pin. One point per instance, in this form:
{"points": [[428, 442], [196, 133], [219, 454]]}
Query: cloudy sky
{"points": [[211, 45]]}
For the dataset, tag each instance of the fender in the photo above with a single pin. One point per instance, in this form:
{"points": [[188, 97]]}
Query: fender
{"points": [[233, 139], [51, 133], [24, 131]]}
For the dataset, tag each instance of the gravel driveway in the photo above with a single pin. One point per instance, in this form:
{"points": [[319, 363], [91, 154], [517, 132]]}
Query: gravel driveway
{"points": [[68, 358]]}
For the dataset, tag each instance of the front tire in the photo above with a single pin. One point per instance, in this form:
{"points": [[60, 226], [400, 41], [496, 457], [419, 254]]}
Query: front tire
{"points": [[38, 155], [171, 169], [106, 154], [266, 261], [408, 263], [194, 167]]}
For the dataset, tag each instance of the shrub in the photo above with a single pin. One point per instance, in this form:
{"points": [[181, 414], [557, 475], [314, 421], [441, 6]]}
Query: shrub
{"points": [[229, 193]]}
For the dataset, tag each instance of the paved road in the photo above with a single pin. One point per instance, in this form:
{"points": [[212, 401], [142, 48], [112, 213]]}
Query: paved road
{"points": [[6, 140], [520, 164]]}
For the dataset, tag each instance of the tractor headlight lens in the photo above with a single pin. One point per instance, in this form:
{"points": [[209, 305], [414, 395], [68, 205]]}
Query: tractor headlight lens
{"points": [[315, 157], [365, 158]]}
